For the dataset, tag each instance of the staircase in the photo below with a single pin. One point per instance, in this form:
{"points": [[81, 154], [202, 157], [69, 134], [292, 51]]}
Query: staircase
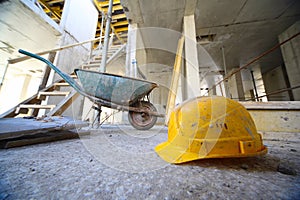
{"points": [[31, 106], [112, 53]]}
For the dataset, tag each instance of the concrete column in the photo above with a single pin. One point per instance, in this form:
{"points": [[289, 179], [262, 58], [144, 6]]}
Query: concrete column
{"points": [[291, 56], [131, 62], [191, 57], [275, 80], [259, 83], [210, 84], [236, 88]]}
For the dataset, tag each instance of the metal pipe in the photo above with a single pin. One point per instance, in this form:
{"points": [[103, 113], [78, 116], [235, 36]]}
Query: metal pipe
{"points": [[254, 60], [16, 60], [106, 39], [224, 61], [276, 92], [254, 85], [225, 73]]}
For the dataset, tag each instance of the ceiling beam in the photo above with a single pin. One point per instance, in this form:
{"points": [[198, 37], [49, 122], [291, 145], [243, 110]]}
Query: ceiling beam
{"points": [[55, 1], [122, 23], [47, 6], [121, 29], [115, 7], [105, 4]]}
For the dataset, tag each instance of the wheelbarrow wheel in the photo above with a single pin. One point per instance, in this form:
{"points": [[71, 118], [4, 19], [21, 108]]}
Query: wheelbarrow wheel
{"points": [[141, 120]]}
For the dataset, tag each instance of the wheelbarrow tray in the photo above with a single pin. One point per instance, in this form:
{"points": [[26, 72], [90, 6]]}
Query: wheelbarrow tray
{"points": [[114, 88]]}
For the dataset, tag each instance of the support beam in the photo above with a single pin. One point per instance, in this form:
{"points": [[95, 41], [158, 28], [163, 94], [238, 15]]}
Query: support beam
{"points": [[47, 71], [131, 51], [175, 79], [46, 5], [191, 57]]}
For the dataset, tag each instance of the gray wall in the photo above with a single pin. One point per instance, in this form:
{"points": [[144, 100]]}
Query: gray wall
{"points": [[274, 80], [291, 55]]}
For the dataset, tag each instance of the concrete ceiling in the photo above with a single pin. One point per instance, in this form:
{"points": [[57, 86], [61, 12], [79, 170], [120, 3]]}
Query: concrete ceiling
{"points": [[245, 28]]}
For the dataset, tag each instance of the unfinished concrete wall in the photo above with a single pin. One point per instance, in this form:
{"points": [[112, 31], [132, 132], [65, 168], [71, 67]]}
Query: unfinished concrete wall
{"points": [[274, 80], [275, 116], [23, 25], [79, 21], [259, 83], [291, 55], [235, 84]]}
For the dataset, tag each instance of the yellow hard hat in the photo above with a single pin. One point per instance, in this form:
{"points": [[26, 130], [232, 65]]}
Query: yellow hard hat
{"points": [[210, 127]]}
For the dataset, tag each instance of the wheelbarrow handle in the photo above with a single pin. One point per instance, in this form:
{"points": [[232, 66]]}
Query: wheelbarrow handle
{"points": [[65, 76]]}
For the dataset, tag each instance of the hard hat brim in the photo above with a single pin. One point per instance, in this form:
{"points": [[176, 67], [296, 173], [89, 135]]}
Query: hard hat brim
{"points": [[175, 154]]}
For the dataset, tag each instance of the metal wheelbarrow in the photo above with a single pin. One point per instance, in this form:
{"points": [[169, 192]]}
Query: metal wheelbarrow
{"points": [[113, 91]]}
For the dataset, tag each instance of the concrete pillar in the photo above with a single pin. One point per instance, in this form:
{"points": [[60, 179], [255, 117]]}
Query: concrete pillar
{"points": [[275, 80], [291, 56], [259, 83], [236, 88], [210, 84], [248, 84], [131, 62], [191, 57]]}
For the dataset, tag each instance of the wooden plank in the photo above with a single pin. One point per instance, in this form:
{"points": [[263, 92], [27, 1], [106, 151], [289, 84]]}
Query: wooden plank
{"points": [[36, 106], [115, 7], [43, 138], [33, 106], [175, 79], [61, 84], [54, 93], [119, 16], [64, 104], [51, 58], [73, 76], [121, 29], [19, 127], [117, 34], [121, 23], [54, 12], [16, 60], [55, 136], [91, 65]]}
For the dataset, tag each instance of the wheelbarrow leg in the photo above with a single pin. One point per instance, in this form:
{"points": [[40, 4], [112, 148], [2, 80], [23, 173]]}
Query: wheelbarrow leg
{"points": [[98, 115]]}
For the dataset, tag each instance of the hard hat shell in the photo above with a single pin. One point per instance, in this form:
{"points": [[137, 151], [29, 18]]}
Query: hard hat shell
{"points": [[210, 127]]}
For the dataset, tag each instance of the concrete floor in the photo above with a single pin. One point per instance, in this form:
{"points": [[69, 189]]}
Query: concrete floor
{"points": [[120, 163]]}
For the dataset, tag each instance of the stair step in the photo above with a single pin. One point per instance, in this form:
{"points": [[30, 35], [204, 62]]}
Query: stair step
{"points": [[99, 57], [73, 76], [55, 93], [91, 65], [115, 47], [61, 84], [34, 106], [95, 62]]}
